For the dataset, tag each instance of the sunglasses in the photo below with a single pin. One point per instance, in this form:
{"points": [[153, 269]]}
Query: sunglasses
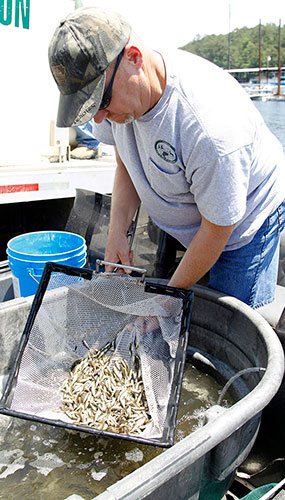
{"points": [[107, 96]]}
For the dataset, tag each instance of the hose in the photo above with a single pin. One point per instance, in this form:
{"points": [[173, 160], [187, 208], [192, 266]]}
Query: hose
{"points": [[234, 377]]}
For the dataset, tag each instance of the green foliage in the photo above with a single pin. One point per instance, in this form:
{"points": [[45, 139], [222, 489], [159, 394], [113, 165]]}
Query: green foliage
{"points": [[241, 47]]}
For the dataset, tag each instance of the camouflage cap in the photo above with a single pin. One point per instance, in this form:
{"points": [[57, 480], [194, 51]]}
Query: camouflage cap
{"points": [[82, 47]]}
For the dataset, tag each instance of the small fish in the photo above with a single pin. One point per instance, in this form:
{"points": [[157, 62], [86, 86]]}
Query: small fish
{"points": [[104, 393]]}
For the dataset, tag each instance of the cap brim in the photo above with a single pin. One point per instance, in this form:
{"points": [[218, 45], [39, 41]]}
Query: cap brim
{"points": [[80, 107]]}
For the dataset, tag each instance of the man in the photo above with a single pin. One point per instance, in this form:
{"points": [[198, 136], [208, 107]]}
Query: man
{"points": [[189, 144], [87, 147]]}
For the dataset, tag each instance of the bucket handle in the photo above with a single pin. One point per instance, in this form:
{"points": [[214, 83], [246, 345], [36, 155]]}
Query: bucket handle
{"points": [[33, 276]]}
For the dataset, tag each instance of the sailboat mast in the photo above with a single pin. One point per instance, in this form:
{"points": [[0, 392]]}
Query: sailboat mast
{"points": [[279, 59], [229, 39], [260, 53]]}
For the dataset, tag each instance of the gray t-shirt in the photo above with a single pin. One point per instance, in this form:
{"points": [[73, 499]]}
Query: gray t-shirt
{"points": [[203, 149]]}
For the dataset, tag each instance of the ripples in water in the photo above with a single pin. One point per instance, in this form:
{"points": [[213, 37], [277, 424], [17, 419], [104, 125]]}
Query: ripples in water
{"points": [[56, 463]]}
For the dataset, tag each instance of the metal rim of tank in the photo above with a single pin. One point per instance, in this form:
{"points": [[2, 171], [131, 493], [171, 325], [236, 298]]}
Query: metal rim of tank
{"points": [[191, 450], [275, 365]]}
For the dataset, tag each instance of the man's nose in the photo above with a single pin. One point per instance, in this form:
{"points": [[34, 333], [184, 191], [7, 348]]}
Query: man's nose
{"points": [[100, 115]]}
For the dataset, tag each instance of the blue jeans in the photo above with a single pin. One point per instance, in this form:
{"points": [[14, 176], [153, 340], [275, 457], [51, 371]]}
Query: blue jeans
{"points": [[85, 136], [250, 273]]}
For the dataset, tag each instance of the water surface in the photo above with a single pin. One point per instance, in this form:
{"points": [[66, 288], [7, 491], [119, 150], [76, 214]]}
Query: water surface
{"points": [[273, 113], [57, 464]]}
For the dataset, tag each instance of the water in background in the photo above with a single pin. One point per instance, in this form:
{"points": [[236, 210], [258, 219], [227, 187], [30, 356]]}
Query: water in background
{"points": [[273, 113]]}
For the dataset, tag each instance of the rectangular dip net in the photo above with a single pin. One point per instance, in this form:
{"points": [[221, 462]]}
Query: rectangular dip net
{"points": [[102, 353]]}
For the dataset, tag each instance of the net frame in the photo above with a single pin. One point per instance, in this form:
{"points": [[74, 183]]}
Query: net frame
{"points": [[150, 286]]}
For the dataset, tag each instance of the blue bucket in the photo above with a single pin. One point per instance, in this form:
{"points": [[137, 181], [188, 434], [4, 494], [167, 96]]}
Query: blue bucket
{"points": [[29, 253]]}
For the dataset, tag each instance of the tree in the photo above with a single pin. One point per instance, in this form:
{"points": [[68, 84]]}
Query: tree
{"points": [[244, 47]]}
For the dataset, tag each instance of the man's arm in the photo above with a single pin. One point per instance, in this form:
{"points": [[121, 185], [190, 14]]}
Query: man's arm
{"points": [[125, 202], [202, 253]]}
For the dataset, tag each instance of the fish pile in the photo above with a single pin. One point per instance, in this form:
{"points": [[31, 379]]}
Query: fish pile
{"points": [[105, 393]]}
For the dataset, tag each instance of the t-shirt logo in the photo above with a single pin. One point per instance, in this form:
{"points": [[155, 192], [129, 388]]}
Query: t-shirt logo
{"points": [[166, 151]]}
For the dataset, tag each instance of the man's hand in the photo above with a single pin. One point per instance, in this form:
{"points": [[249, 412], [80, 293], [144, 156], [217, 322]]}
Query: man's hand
{"points": [[118, 251]]}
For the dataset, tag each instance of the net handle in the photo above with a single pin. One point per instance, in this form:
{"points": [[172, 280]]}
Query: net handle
{"points": [[116, 265]]}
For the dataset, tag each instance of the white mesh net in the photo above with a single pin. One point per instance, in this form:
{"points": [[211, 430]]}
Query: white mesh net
{"points": [[112, 314]]}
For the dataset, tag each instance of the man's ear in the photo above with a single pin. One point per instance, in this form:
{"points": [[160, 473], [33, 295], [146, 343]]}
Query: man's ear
{"points": [[134, 55]]}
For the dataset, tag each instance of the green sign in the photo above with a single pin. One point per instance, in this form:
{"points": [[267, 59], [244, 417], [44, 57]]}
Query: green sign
{"points": [[15, 13]]}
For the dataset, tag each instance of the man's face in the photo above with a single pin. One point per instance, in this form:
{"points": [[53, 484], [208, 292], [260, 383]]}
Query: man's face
{"points": [[120, 109], [125, 103]]}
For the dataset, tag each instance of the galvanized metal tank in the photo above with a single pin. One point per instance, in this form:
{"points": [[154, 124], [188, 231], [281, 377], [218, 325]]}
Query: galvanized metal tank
{"points": [[226, 337]]}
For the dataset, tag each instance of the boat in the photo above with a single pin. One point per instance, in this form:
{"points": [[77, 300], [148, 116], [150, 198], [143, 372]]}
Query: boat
{"points": [[260, 91]]}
